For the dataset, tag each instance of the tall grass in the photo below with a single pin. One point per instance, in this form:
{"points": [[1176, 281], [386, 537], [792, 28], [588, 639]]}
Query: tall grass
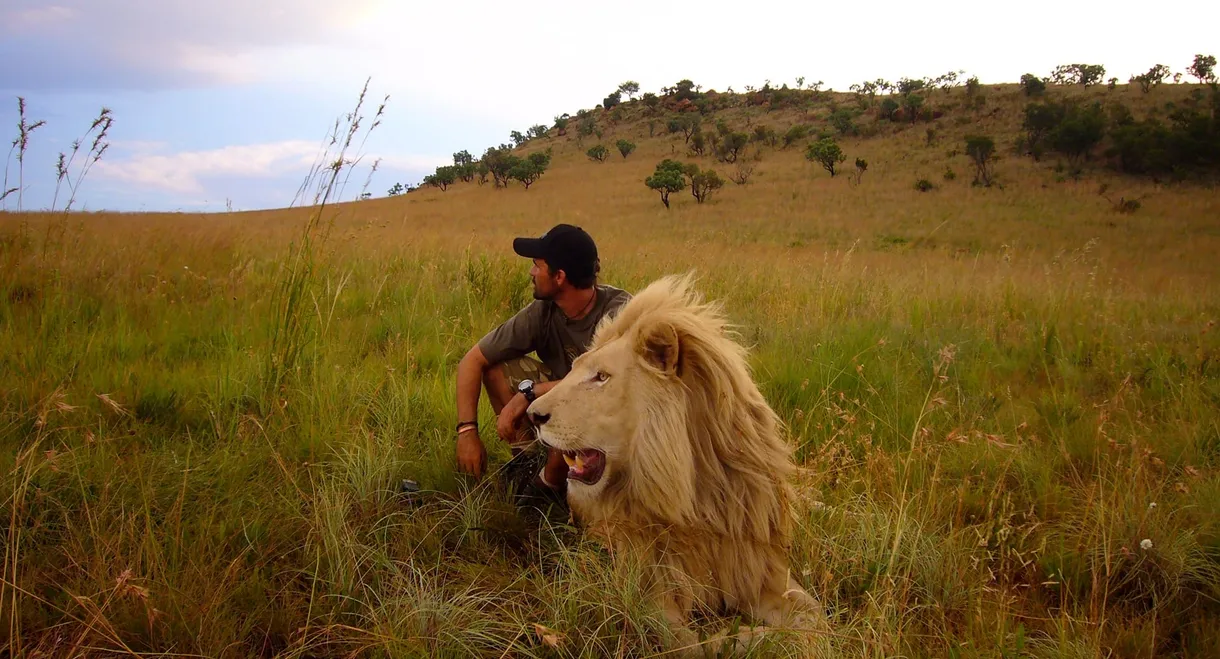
{"points": [[1005, 454]]}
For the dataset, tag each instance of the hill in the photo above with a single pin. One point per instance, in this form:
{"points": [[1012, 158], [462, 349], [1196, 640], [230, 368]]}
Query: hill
{"points": [[1003, 398]]}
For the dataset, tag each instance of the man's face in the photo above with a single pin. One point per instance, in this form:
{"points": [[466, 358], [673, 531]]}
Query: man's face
{"points": [[546, 285]]}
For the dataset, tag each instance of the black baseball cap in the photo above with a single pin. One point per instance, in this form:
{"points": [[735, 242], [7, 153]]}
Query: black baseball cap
{"points": [[564, 247]]}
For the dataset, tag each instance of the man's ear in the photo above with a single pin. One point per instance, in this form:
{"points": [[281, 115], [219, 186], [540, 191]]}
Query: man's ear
{"points": [[661, 347], [560, 277]]}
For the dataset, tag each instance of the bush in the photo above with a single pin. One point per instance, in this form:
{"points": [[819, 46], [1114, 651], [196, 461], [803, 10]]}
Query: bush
{"points": [[843, 121], [1040, 120], [529, 169], [698, 143], [612, 100], [950, 174], [625, 147], [889, 107], [795, 134], [742, 174], [1082, 74], [702, 183], [981, 150], [1154, 77], [764, 135], [499, 161], [1203, 68], [1080, 131], [827, 153], [668, 178], [924, 185], [598, 153], [561, 124], [731, 147], [861, 167], [1032, 84]]}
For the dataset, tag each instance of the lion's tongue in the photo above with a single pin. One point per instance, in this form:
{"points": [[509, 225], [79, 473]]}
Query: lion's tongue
{"points": [[584, 465]]}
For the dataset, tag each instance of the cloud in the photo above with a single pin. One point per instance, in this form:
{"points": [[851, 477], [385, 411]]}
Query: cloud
{"points": [[158, 44], [186, 171], [147, 165]]}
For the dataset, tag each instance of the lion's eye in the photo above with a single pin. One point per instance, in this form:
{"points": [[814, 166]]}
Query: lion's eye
{"points": [[601, 376]]}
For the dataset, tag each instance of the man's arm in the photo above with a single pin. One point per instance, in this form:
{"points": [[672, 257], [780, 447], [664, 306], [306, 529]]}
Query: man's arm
{"points": [[471, 454], [469, 383]]}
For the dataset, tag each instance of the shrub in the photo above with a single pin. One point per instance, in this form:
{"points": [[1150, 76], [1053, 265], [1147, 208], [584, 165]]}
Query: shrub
{"points": [[924, 185], [827, 153], [1032, 84], [795, 134], [1078, 132], [698, 143], [561, 124], [702, 183], [742, 174], [861, 167], [598, 153], [1203, 68], [731, 147], [1154, 76], [1083, 74], [530, 169], [667, 179], [981, 150], [843, 121], [625, 147], [612, 100]]}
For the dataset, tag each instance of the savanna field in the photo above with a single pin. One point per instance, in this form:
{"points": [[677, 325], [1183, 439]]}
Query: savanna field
{"points": [[1004, 400]]}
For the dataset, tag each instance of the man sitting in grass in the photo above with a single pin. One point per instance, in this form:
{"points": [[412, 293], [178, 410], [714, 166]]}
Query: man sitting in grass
{"points": [[558, 327]]}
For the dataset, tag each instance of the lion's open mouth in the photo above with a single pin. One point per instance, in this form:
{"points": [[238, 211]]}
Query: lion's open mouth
{"points": [[585, 465]]}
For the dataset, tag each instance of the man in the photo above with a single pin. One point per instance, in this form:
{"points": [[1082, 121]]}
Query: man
{"points": [[558, 326]]}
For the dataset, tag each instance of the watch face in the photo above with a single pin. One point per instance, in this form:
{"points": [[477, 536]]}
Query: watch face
{"points": [[525, 385]]}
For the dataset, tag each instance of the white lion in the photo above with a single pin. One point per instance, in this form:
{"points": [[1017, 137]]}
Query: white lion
{"points": [[674, 455]]}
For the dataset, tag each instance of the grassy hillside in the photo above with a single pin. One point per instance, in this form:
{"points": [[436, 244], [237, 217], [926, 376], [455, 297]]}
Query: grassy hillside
{"points": [[1004, 400]]}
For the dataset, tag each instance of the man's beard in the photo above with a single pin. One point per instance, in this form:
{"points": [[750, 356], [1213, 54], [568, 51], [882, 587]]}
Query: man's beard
{"points": [[539, 295]]}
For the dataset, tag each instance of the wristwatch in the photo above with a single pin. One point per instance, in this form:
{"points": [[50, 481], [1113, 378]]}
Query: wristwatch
{"points": [[526, 387]]}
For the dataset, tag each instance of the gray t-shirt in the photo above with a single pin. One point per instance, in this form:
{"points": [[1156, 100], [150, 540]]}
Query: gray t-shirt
{"points": [[542, 327]]}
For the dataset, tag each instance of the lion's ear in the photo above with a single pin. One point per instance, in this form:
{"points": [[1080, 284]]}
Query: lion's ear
{"points": [[660, 345]]}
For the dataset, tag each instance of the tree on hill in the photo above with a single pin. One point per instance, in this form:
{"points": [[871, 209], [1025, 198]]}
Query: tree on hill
{"points": [[529, 169], [443, 178], [625, 147], [981, 150], [827, 153], [395, 190], [1155, 76], [561, 124], [732, 146], [685, 124], [612, 100], [499, 162], [1203, 68], [1078, 74], [702, 182], [1078, 132], [598, 152], [630, 88], [537, 130], [668, 178], [462, 157], [1032, 84]]}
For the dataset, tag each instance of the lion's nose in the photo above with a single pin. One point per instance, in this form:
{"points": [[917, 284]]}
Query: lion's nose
{"points": [[539, 419]]}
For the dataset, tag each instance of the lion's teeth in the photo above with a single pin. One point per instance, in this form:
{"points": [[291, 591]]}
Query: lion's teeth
{"points": [[580, 463], [568, 459]]}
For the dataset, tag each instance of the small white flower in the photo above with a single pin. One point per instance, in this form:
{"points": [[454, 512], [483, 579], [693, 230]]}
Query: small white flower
{"points": [[1145, 544], [1152, 506]]}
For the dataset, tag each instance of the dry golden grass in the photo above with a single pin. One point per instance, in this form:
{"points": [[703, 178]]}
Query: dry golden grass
{"points": [[989, 390]]}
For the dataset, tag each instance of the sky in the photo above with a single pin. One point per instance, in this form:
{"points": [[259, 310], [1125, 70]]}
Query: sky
{"points": [[227, 103]]}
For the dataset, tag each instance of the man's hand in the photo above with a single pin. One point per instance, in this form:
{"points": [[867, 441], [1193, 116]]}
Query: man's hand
{"points": [[511, 417], [471, 454]]}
